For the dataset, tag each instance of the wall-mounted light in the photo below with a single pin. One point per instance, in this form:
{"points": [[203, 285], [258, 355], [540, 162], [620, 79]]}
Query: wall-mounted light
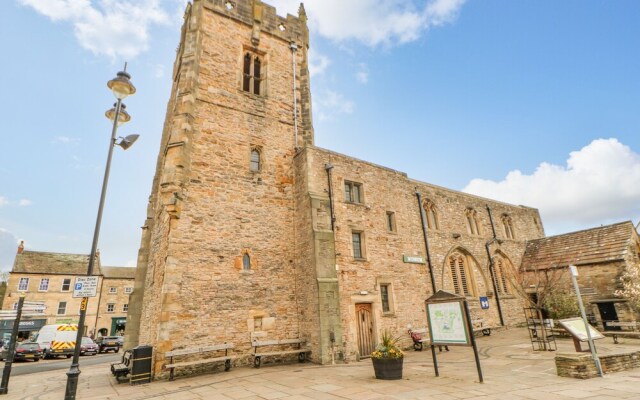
{"points": [[229, 5], [282, 27]]}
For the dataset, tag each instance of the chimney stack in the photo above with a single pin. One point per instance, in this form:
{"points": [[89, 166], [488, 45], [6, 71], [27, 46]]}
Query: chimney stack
{"points": [[21, 247]]}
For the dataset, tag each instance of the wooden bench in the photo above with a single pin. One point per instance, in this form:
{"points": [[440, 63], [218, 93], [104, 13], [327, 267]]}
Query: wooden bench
{"points": [[479, 326], [291, 346], [209, 358], [622, 333], [122, 368]]}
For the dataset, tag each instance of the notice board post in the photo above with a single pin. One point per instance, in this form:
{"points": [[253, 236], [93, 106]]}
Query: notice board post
{"points": [[450, 324]]}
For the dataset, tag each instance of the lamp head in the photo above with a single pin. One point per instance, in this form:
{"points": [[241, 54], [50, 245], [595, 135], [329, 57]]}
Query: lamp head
{"points": [[128, 141], [123, 116], [121, 85]]}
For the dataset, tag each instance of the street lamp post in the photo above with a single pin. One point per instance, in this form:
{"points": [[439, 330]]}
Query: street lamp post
{"points": [[121, 88]]}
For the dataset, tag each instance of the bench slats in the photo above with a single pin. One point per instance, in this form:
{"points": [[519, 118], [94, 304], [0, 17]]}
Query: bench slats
{"points": [[277, 353], [183, 352], [259, 343], [203, 361]]}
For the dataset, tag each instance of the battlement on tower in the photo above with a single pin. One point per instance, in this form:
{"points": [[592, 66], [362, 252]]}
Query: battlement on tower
{"points": [[255, 12]]}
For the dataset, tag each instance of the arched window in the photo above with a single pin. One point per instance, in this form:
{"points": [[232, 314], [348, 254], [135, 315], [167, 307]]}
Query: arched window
{"points": [[472, 221], [254, 165], [509, 233], [251, 73], [432, 214], [458, 268], [500, 274], [246, 262]]}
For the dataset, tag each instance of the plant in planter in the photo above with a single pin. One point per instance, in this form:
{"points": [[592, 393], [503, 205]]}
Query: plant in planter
{"points": [[387, 358]]}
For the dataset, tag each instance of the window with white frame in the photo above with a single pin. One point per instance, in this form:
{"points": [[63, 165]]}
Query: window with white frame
{"points": [[66, 284], [125, 308], [23, 284], [128, 290], [111, 307], [44, 285], [113, 290], [62, 308]]}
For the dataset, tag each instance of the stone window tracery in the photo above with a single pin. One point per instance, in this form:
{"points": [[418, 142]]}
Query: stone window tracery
{"points": [[507, 224], [471, 216], [431, 214], [500, 273], [252, 73], [254, 163], [458, 267]]}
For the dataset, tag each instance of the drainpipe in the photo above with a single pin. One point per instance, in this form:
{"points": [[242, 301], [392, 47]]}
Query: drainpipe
{"points": [[328, 167], [423, 219], [491, 271], [294, 49]]}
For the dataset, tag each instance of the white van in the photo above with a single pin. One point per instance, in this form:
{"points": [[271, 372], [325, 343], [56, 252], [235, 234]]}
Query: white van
{"points": [[57, 340]]}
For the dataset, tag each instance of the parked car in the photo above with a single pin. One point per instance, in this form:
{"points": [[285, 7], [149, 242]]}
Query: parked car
{"points": [[24, 351], [121, 341], [88, 347], [107, 343]]}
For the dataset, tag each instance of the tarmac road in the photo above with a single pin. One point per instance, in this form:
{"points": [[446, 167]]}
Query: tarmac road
{"points": [[31, 367]]}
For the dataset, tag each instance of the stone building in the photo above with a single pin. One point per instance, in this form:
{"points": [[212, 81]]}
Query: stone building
{"points": [[49, 277], [252, 231], [601, 255]]}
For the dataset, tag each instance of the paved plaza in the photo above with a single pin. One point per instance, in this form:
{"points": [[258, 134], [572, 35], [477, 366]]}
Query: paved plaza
{"points": [[512, 370]]}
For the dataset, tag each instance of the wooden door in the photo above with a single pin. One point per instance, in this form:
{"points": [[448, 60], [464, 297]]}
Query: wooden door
{"points": [[366, 343]]}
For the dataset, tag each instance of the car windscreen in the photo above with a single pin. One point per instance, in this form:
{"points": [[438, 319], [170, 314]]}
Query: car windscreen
{"points": [[86, 340], [29, 346]]}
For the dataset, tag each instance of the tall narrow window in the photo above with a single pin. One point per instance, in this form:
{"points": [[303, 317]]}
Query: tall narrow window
{"points": [[246, 262], [432, 214], [125, 307], [251, 73], [391, 221], [472, 221], [508, 227], [66, 284], [352, 192], [255, 160], [500, 274], [111, 307], [23, 285], [44, 285], [62, 307], [357, 244], [384, 298], [459, 274]]}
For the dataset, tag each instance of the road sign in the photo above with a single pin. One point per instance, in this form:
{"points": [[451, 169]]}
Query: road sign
{"points": [[85, 286]]}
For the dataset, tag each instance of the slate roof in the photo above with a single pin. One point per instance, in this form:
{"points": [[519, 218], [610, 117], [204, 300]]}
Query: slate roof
{"points": [[37, 262], [119, 272], [590, 246]]}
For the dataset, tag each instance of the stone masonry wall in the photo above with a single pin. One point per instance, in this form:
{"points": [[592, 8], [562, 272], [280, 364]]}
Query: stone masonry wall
{"points": [[388, 190], [581, 366], [210, 209]]}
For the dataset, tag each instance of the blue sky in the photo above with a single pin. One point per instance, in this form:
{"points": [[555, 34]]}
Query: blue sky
{"points": [[530, 102]]}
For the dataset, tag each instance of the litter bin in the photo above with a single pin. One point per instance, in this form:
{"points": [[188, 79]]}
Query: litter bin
{"points": [[141, 365]]}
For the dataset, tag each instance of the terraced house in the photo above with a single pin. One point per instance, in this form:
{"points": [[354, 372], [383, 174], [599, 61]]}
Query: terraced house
{"points": [[49, 277]]}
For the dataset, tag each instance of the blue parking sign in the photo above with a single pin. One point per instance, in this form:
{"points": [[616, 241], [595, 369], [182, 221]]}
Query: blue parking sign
{"points": [[78, 286], [484, 303]]}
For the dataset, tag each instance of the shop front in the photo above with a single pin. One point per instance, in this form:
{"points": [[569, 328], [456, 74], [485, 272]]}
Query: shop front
{"points": [[26, 329]]}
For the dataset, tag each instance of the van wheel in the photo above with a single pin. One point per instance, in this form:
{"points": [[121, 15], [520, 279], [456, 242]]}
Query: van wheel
{"points": [[68, 355]]}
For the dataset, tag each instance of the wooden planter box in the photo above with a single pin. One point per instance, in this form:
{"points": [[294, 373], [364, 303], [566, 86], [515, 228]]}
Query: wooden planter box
{"points": [[388, 368]]}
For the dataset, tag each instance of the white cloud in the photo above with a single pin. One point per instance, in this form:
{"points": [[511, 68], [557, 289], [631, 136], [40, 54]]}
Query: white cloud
{"points": [[65, 139], [329, 103], [115, 28], [317, 63], [158, 71], [24, 202], [3, 201], [373, 22], [600, 184], [363, 74]]}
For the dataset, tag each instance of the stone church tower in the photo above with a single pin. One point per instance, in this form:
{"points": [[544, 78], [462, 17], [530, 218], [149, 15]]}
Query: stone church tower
{"points": [[217, 252], [253, 232]]}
